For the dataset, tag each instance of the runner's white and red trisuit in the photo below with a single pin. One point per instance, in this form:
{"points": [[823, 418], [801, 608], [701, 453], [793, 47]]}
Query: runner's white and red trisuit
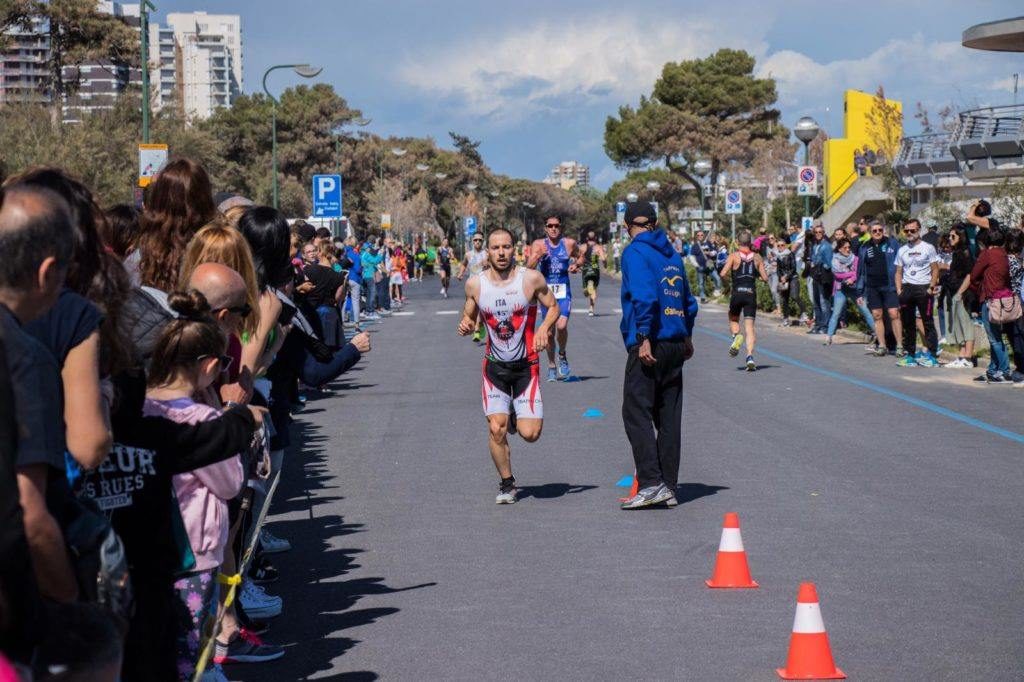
{"points": [[511, 375]]}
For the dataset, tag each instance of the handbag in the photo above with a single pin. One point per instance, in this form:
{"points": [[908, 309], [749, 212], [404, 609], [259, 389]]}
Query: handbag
{"points": [[98, 558], [1004, 309]]}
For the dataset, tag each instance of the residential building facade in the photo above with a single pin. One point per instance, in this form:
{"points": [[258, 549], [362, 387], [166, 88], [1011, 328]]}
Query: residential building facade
{"points": [[569, 174]]}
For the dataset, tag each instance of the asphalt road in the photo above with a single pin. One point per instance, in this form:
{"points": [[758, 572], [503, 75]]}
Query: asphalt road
{"points": [[896, 491]]}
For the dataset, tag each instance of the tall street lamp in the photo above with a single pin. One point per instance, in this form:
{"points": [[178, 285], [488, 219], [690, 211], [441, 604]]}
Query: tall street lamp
{"points": [[397, 151], [806, 129], [632, 197], [304, 70], [145, 7]]}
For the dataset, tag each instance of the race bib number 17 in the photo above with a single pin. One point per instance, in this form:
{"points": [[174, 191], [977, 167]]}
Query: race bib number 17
{"points": [[558, 290]]}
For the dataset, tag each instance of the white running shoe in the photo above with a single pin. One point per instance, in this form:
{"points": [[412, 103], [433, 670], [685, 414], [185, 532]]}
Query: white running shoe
{"points": [[272, 544], [257, 603]]}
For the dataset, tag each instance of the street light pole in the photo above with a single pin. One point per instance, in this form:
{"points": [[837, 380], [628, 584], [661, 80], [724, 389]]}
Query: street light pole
{"points": [[806, 129], [145, 7], [304, 70], [702, 167]]}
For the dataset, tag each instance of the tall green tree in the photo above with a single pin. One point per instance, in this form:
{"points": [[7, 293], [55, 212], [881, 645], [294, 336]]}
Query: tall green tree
{"points": [[468, 148], [713, 108]]}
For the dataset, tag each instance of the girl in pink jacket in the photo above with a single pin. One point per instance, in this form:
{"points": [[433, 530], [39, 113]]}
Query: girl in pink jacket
{"points": [[187, 358]]}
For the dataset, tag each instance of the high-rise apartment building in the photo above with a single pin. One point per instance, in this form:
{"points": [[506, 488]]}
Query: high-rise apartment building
{"points": [[100, 82], [196, 62], [569, 174], [23, 64]]}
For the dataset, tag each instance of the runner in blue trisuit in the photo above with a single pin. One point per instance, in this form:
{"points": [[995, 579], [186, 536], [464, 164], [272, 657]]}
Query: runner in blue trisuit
{"points": [[556, 257]]}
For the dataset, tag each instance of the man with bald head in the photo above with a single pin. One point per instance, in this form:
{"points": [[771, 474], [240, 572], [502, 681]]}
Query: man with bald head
{"points": [[225, 290], [35, 240]]}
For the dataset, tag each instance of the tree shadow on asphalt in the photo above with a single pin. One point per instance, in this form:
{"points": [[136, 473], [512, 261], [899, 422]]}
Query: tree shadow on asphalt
{"points": [[552, 490], [688, 492], [319, 603], [575, 378]]}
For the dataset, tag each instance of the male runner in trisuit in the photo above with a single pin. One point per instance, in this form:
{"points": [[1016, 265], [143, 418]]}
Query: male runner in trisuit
{"points": [[506, 296], [444, 266], [475, 261], [744, 266], [557, 257], [593, 256]]}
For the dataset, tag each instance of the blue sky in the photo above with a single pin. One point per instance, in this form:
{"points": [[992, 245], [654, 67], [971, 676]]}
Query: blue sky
{"points": [[535, 80]]}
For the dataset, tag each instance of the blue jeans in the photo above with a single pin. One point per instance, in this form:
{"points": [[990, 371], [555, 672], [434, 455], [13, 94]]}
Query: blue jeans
{"points": [[822, 305], [839, 305], [701, 274], [999, 357], [370, 287]]}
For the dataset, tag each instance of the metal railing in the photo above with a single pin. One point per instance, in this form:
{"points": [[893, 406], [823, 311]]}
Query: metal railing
{"points": [[924, 148], [979, 124]]}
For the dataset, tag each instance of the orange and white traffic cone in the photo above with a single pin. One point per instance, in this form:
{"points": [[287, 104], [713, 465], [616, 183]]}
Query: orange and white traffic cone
{"points": [[731, 569], [633, 490], [810, 656]]}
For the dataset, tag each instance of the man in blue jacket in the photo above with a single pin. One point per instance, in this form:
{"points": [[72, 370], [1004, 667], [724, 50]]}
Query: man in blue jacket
{"points": [[355, 278], [876, 284], [658, 312]]}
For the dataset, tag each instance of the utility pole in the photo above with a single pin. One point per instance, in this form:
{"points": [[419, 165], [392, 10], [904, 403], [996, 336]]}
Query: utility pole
{"points": [[145, 7]]}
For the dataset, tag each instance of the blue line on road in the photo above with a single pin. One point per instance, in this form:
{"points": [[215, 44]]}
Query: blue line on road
{"points": [[593, 413], [625, 482], [917, 402]]}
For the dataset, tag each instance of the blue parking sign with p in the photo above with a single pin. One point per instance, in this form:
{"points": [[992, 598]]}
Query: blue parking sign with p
{"points": [[470, 222], [327, 196]]}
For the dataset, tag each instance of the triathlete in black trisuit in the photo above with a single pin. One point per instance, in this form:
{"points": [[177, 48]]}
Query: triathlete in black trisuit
{"points": [[593, 254], [743, 265]]}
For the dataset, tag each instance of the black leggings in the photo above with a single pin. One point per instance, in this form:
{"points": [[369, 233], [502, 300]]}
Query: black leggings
{"points": [[791, 292]]}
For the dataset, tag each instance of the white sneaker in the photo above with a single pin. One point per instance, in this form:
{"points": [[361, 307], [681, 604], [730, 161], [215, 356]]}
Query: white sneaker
{"points": [[257, 603], [942, 341], [272, 544]]}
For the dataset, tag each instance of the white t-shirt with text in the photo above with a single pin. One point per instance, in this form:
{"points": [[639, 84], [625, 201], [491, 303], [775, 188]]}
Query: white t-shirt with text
{"points": [[916, 262]]}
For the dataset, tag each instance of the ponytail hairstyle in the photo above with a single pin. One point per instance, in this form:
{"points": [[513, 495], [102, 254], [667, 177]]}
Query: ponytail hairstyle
{"points": [[185, 340]]}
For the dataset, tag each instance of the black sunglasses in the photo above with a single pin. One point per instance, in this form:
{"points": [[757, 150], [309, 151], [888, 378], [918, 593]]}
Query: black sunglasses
{"points": [[223, 361], [553, 225], [243, 311]]}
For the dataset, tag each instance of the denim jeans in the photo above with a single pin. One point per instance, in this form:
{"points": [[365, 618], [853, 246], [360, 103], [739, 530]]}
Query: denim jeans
{"points": [[999, 358], [839, 305], [822, 305], [370, 287], [353, 299]]}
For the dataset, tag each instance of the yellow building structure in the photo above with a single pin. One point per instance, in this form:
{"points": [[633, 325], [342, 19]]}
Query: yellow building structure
{"points": [[866, 122]]}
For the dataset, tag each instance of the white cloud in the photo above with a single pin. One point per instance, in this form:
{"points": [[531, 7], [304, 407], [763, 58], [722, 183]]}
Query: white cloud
{"points": [[559, 66]]}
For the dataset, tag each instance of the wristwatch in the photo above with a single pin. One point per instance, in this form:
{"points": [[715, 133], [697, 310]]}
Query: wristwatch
{"points": [[640, 338]]}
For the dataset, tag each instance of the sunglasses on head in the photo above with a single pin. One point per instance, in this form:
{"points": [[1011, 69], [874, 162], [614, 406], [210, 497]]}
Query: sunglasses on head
{"points": [[223, 361], [244, 310]]}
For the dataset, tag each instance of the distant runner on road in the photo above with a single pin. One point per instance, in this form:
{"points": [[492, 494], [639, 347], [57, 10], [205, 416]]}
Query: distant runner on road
{"points": [[506, 297], [556, 257], [475, 261], [744, 266], [593, 256], [444, 266]]}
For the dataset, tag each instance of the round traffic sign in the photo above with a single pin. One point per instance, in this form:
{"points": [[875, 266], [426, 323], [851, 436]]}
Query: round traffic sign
{"points": [[807, 175], [732, 196]]}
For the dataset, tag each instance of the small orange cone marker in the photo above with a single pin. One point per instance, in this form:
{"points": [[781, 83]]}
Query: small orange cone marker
{"points": [[731, 568], [810, 656], [633, 490]]}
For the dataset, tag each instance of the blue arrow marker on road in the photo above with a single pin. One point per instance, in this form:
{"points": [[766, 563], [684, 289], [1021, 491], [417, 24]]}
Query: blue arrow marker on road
{"points": [[593, 413], [625, 482]]}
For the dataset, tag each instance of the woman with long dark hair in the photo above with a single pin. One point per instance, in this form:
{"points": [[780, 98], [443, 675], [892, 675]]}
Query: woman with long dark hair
{"points": [[179, 202], [960, 328]]}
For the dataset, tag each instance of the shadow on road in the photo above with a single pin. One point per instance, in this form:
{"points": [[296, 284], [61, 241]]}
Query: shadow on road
{"points": [[319, 603], [688, 492], [552, 490], [743, 368], [574, 378]]}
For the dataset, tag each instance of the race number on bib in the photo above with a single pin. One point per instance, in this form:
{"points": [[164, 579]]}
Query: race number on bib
{"points": [[558, 290]]}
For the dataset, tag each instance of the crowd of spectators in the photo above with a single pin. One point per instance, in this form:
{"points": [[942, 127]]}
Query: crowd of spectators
{"points": [[916, 290], [150, 364]]}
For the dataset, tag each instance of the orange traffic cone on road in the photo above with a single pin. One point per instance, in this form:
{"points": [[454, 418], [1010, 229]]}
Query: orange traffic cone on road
{"points": [[810, 656], [633, 490], [731, 569]]}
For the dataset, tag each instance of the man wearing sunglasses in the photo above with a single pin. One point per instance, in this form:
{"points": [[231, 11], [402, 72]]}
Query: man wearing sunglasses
{"points": [[876, 285], [225, 290], [917, 282], [557, 257], [475, 261]]}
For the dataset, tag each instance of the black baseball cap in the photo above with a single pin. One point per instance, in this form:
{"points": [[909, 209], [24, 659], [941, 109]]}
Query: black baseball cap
{"points": [[640, 209]]}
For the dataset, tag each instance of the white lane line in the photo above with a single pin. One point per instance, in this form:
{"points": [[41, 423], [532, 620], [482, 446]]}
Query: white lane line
{"points": [[447, 312], [582, 311], [402, 314]]}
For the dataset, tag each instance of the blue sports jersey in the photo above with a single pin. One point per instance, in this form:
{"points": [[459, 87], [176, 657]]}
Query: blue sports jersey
{"points": [[554, 265]]}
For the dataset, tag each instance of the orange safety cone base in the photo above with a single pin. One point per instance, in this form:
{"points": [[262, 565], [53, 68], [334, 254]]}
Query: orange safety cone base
{"points": [[837, 675], [731, 571]]}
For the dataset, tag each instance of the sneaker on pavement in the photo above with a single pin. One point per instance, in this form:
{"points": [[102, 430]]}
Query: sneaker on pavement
{"points": [[563, 367], [671, 501], [646, 497], [803, 318], [1016, 378], [737, 343], [272, 544], [926, 359], [900, 353], [507, 492], [906, 361], [246, 648], [257, 603], [552, 374], [263, 572], [751, 365], [942, 341], [881, 351]]}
